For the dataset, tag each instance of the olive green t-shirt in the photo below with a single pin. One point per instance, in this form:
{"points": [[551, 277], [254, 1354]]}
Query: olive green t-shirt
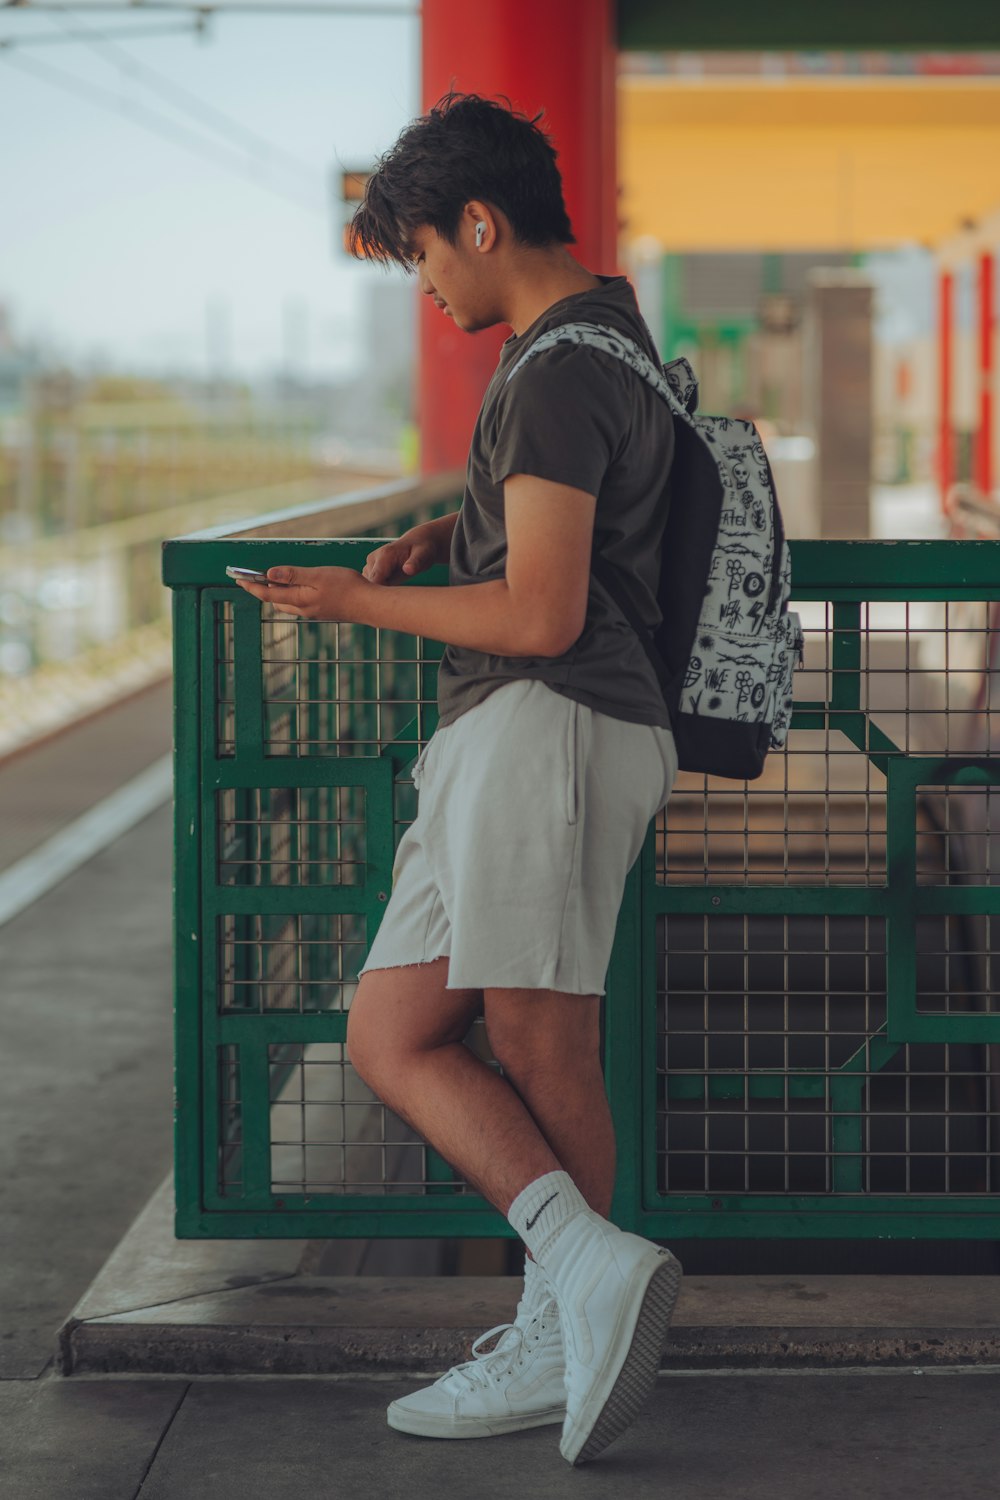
{"points": [[577, 416]]}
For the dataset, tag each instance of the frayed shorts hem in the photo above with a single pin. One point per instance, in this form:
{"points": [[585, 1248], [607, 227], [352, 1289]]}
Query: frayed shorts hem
{"points": [[418, 963]]}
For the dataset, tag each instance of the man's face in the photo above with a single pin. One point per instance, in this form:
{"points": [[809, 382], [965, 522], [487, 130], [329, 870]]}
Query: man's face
{"points": [[453, 275]]}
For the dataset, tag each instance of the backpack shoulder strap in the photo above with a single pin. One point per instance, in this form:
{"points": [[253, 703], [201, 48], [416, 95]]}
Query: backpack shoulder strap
{"points": [[608, 341]]}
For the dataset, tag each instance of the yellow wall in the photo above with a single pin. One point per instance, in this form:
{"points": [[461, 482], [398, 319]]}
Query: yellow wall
{"points": [[804, 164]]}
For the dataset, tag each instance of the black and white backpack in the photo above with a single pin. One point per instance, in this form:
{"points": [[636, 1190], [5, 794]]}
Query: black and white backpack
{"points": [[727, 644]]}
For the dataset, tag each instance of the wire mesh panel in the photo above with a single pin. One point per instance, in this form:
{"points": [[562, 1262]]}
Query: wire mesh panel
{"points": [[825, 1031], [802, 1018], [294, 792], [316, 725]]}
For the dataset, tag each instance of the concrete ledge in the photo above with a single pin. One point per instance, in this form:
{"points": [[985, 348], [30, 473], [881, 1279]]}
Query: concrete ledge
{"points": [[324, 1349], [239, 1307]]}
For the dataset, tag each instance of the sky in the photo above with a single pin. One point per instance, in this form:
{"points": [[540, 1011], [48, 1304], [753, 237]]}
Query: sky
{"points": [[119, 246], [122, 248]]}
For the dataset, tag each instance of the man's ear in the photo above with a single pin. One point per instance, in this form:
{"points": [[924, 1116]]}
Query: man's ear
{"points": [[481, 224]]}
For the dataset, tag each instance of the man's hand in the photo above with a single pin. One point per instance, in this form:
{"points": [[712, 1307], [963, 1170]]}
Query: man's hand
{"points": [[311, 593], [401, 559]]}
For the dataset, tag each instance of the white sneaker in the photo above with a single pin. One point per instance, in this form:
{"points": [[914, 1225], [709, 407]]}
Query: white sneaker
{"points": [[519, 1383], [616, 1293]]}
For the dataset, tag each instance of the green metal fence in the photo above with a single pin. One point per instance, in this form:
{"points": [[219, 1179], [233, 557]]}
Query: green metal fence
{"points": [[801, 1032]]}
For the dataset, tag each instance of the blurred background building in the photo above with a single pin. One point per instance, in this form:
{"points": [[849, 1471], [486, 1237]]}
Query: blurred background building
{"points": [[789, 219]]}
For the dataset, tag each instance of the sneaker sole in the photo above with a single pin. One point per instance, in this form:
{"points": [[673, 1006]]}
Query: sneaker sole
{"points": [[425, 1424], [631, 1385]]}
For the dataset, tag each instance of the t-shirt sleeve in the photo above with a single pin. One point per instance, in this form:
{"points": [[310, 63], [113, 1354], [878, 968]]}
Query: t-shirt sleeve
{"points": [[564, 417]]}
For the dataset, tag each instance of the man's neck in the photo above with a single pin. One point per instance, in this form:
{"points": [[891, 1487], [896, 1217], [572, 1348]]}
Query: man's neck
{"points": [[541, 279]]}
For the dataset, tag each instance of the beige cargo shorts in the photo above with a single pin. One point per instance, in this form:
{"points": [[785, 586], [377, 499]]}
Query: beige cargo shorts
{"points": [[531, 810]]}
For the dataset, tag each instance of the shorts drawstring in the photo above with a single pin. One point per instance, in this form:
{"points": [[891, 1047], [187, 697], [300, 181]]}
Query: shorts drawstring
{"points": [[417, 770], [572, 763]]}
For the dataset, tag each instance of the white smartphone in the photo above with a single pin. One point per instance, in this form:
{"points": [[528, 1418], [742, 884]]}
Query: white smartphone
{"points": [[250, 573]]}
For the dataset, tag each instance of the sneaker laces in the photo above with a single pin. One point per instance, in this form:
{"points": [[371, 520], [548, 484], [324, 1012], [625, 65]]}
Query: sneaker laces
{"points": [[487, 1364]]}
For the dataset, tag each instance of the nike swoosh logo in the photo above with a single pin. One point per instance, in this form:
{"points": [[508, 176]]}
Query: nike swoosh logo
{"points": [[544, 1205]]}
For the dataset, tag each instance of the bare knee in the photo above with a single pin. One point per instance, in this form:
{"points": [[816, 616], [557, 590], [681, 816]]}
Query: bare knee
{"points": [[538, 1036], [371, 1038], [356, 1041], [405, 1009], [527, 1064]]}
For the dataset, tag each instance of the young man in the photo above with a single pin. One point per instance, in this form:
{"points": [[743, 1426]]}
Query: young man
{"points": [[552, 754]]}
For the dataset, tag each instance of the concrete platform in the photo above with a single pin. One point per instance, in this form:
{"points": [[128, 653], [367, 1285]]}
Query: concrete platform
{"points": [[255, 1307], [751, 1435]]}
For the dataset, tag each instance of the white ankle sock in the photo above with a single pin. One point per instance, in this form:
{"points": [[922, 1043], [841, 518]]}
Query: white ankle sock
{"points": [[542, 1210]]}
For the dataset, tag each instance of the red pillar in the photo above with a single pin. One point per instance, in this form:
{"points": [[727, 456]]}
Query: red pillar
{"points": [[946, 462], [558, 55], [987, 324]]}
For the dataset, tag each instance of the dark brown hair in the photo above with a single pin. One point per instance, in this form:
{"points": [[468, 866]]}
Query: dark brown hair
{"points": [[466, 147]]}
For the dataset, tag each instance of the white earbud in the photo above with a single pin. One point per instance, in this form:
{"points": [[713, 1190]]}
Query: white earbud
{"points": [[480, 231]]}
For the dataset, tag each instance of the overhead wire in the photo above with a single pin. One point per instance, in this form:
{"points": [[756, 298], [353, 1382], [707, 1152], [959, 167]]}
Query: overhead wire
{"points": [[158, 124], [222, 124], [189, 103], [360, 8], [134, 34]]}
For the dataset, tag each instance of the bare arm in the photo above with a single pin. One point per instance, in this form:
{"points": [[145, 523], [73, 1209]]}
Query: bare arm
{"points": [[440, 531], [537, 609]]}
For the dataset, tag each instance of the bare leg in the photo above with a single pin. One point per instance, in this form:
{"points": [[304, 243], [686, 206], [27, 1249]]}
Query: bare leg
{"points": [[571, 1109], [548, 1045], [402, 1039]]}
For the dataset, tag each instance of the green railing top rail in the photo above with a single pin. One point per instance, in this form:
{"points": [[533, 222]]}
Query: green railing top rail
{"points": [[192, 557], [821, 569]]}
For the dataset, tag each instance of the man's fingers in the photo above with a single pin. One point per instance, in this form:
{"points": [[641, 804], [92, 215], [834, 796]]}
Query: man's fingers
{"points": [[281, 595]]}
